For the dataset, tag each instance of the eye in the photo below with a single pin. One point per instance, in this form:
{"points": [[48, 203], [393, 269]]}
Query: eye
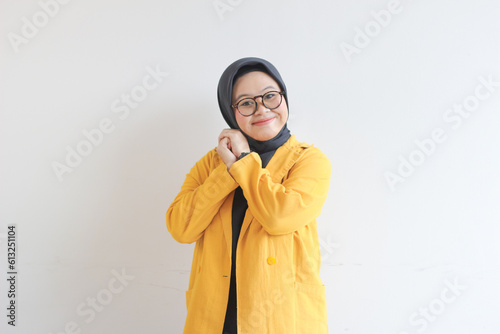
{"points": [[246, 103], [270, 95]]}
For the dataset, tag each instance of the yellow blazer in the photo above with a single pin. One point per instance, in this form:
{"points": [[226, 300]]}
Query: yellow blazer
{"points": [[279, 290]]}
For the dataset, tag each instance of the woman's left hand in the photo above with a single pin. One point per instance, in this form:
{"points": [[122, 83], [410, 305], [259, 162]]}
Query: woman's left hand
{"points": [[236, 143]]}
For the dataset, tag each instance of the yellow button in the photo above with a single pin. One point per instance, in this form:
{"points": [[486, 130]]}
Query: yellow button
{"points": [[271, 260]]}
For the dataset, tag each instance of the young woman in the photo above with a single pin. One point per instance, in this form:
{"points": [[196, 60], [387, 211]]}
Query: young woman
{"points": [[251, 206]]}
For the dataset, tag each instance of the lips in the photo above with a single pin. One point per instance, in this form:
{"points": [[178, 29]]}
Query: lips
{"points": [[264, 121]]}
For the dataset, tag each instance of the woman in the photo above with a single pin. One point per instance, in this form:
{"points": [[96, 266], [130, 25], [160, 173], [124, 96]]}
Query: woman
{"points": [[251, 206]]}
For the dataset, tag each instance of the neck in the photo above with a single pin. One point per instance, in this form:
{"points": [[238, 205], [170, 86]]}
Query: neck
{"points": [[272, 144]]}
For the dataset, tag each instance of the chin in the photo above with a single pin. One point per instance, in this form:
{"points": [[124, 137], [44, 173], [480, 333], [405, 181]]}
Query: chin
{"points": [[265, 135]]}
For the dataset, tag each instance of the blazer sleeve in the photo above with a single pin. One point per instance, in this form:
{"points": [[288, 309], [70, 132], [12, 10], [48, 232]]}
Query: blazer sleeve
{"points": [[202, 194], [285, 207]]}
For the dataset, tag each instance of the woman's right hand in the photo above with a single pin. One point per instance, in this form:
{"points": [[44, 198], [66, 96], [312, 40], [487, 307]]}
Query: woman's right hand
{"points": [[224, 151]]}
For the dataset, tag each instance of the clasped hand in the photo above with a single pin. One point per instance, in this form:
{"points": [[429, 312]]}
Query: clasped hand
{"points": [[231, 144]]}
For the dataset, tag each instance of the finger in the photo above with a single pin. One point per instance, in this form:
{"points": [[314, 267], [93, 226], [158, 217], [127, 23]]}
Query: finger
{"points": [[221, 138], [224, 131], [225, 134], [229, 131], [226, 142]]}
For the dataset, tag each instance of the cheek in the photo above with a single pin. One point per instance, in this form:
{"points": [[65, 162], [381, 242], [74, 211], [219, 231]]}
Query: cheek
{"points": [[284, 115], [241, 120], [283, 111]]}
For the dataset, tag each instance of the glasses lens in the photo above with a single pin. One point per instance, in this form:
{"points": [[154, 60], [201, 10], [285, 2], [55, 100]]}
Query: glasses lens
{"points": [[272, 100], [246, 107]]}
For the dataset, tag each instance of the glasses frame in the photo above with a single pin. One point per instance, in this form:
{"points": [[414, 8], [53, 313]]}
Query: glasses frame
{"points": [[256, 103]]}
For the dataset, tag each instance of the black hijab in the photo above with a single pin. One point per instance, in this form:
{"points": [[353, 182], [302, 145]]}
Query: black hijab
{"points": [[224, 94]]}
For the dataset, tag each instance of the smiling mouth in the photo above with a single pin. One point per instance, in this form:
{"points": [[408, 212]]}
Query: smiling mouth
{"points": [[264, 121]]}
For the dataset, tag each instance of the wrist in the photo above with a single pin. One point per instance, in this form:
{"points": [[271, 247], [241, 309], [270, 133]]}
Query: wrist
{"points": [[243, 154]]}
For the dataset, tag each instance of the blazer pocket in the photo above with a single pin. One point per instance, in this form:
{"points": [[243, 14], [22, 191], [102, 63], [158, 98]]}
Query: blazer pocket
{"points": [[310, 309]]}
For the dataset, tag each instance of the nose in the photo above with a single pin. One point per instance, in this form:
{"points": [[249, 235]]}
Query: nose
{"points": [[260, 106]]}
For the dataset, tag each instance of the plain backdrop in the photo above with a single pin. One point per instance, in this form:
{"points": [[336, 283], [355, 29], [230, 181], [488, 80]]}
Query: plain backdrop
{"points": [[395, 93]]}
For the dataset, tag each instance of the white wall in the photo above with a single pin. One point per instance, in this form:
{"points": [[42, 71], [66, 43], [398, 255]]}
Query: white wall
{"points": [[422, 256]]}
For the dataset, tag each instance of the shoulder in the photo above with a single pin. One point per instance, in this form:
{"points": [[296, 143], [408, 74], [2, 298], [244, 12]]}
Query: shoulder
{"points": [[311, 161], [305, 150]]}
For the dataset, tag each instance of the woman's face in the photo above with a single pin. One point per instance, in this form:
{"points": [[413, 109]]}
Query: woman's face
{"points": [[265, 124]]}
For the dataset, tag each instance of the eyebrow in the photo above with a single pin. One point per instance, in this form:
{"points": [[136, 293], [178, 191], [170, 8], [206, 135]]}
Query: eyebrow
{"points": [[241, 95]]}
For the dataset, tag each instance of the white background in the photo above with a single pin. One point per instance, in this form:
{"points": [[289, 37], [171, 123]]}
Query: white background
{"points": [[389, 254]]}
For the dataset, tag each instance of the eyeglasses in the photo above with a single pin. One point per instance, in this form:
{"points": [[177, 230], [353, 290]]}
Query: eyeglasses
{"points": [[248, 105]]}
